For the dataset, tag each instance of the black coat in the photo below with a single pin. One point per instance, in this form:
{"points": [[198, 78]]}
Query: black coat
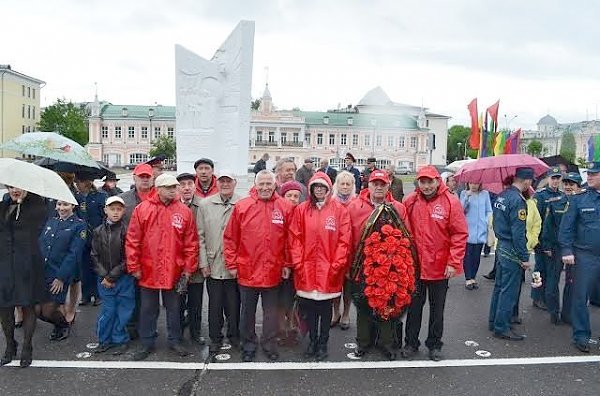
{"points": [[21, 264]]}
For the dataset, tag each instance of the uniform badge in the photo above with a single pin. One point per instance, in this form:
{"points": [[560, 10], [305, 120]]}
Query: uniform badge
{"points": [[83, 234], [590, 165], [522, 214]]}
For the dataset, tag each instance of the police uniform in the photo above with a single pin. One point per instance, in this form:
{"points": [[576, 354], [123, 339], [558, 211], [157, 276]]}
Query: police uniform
{"points": [[543, 263], [91, 211], [510, 213], [580, 236], [61, 244]]}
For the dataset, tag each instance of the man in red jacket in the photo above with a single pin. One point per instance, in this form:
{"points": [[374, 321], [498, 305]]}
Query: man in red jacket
{"points": [[440, 232], [254, 245], [162, 251], [206, 181]]}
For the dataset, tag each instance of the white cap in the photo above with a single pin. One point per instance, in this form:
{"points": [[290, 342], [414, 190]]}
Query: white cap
{"points": [[112, 200], [226, 173], [166, 180]]}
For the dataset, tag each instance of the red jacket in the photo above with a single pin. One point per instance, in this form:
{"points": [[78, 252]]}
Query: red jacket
{"points": [[361, 208], [319, 241], [211, 191], [162, 242], [440, 231], [255, 238]]}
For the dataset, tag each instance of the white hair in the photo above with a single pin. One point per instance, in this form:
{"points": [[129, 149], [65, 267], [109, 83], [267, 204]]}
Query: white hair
{"points": [[264, 172]]}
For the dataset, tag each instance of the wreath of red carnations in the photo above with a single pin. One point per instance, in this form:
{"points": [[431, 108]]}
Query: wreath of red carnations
{"points": [[389, 272]]}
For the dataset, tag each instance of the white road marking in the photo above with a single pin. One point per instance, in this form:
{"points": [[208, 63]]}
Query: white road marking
{"points": [[95, 364]]}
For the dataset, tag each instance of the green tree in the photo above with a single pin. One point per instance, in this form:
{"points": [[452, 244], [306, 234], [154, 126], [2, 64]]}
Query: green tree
{"points": [[67, 119], [458, 137], [535, 148], [568, 146], [164, 145], [255, 104]]}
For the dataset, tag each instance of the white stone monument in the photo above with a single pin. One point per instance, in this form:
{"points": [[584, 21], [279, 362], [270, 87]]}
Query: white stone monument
{"points": [[213, 103]]}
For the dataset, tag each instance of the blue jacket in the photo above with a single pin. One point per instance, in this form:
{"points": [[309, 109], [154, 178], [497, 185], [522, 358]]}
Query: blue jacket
{"points": [[61, 244], [357, 180], [545, 197], [580, 226], [477, 210], [551, 222], [91, 208], [510, 214]]}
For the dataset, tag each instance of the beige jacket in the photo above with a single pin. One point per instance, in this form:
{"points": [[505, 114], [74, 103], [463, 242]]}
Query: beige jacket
{"points": [[195, 208], [213, 217]]}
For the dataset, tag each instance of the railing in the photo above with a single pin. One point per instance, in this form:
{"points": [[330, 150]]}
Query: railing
{"points": [[265, 144], [292, 144]]}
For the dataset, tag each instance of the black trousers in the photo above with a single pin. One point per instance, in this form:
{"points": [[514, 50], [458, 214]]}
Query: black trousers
{"points": [[192, 303], [223, 301], [249, 301], [149, 311], [437, 290], [318, 317]]}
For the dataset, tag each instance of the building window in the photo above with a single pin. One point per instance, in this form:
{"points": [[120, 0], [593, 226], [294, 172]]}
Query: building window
{"points": [[350, 121], [156, 132], [259, 136], [401, 142], [28, 111], [33, 112], [144, 132], [33, 93], [124, 112], [29, 92], [105, 158], [28, 129], [136, 158], [367, 140], [296, 137], [283, 138], [307, 138], [378, 140], [326, 120], [331, 139], [354, 140], [104, 132], [319, 139], [343, 139], [390, 141], [131, 132], [413, 142], [171, 132], [271, 137], [22, 128], [23, 111], [426, 123], [23, 89], [118, 132]]}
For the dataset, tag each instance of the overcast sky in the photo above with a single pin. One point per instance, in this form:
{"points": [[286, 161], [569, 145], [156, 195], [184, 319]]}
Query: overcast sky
{"points": [[536, 56]]}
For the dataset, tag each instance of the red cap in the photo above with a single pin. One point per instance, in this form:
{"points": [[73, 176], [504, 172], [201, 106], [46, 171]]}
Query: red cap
{"points": [[143, 169], [379, 175], [428, 171]]}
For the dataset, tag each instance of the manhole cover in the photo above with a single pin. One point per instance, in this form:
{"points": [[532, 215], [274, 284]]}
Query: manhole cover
{"points": [[471, 343], [222, 357], [92, 345], [83, 355], [225, 347], [353, 356], [483, 353], [350, 345]]}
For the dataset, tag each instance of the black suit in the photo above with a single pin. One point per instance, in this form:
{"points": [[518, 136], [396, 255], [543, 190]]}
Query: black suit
{"points": [[332, 173]]}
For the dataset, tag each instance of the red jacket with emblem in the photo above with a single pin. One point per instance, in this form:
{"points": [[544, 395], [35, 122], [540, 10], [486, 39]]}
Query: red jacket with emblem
{"points": [[212, 190], [440, 231], [254, 241], [319, 241], [361, 208], [162, 242]]}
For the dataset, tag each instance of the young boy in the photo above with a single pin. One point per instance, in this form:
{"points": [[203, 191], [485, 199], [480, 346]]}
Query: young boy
{"points": [[115, 287]]}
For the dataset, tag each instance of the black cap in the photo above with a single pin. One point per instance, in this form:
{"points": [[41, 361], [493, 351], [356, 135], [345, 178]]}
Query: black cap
{"points": [[524, 173], [156, 160], [371, 159], [204, 161], [185, 176], [350, 156]]}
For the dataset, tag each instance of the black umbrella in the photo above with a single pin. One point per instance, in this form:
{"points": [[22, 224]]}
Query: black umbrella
{"points": [[81, 172], [558, 160]]}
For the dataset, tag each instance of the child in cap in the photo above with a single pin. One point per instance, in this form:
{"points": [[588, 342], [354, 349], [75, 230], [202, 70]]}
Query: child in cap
{"points": [[115, 286]]}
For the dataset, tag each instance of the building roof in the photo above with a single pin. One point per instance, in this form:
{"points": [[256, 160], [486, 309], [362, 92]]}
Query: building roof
{"points": [[267, 93], [548, 120], [137, 111], [8, 69], [315, 118], [376, 97]]}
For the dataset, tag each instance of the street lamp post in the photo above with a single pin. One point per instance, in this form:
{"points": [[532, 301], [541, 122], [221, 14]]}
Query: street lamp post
{"points": [[508, 121], [459, 144]]}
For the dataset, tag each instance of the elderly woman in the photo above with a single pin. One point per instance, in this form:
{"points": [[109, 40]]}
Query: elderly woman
{"points": [[319, 237], [450, 182], [477, 206], [343, 192], [22, 216]]}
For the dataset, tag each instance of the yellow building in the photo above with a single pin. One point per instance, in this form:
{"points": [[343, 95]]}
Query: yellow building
{"points": [[19, 105]]}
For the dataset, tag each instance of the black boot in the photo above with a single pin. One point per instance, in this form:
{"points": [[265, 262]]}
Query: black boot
{"points": [[311, 349], [26, 356], [321, 353], [9, 353]]}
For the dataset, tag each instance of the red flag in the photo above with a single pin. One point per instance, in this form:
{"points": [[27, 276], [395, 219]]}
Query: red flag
{"points": [[474, 139], [513, 142], [493, 110]]}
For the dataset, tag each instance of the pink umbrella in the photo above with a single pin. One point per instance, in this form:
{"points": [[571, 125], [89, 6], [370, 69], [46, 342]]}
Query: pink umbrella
{"points": [[492, 171]]}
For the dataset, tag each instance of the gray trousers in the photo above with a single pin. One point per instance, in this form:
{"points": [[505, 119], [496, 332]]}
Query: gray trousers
{"points": [[249, 301]]}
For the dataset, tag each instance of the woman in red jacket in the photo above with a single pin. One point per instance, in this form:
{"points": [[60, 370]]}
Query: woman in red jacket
{"points": [[319, 240]]}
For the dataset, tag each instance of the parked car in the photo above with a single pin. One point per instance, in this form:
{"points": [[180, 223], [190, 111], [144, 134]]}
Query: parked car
{"points": [[130, 166], [403, 170]]}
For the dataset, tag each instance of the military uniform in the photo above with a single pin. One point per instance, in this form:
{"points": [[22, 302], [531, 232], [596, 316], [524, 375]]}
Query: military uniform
{"points": [[510, 213], [580, 236], [544, 264], [61, 244]]}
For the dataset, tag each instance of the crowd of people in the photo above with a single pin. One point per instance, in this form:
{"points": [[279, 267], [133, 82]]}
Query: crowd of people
{"points": [[291, 241]]}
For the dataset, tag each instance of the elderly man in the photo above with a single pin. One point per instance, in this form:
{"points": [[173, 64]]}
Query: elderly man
{"points": [[328, 170], [440, 233], [143, 182], [396, 186], [254, 246], [370, 167], [223, 292], [305, 172], [285, 171], [162, 253], [206, 181], [191, 303], [360, 209]]}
